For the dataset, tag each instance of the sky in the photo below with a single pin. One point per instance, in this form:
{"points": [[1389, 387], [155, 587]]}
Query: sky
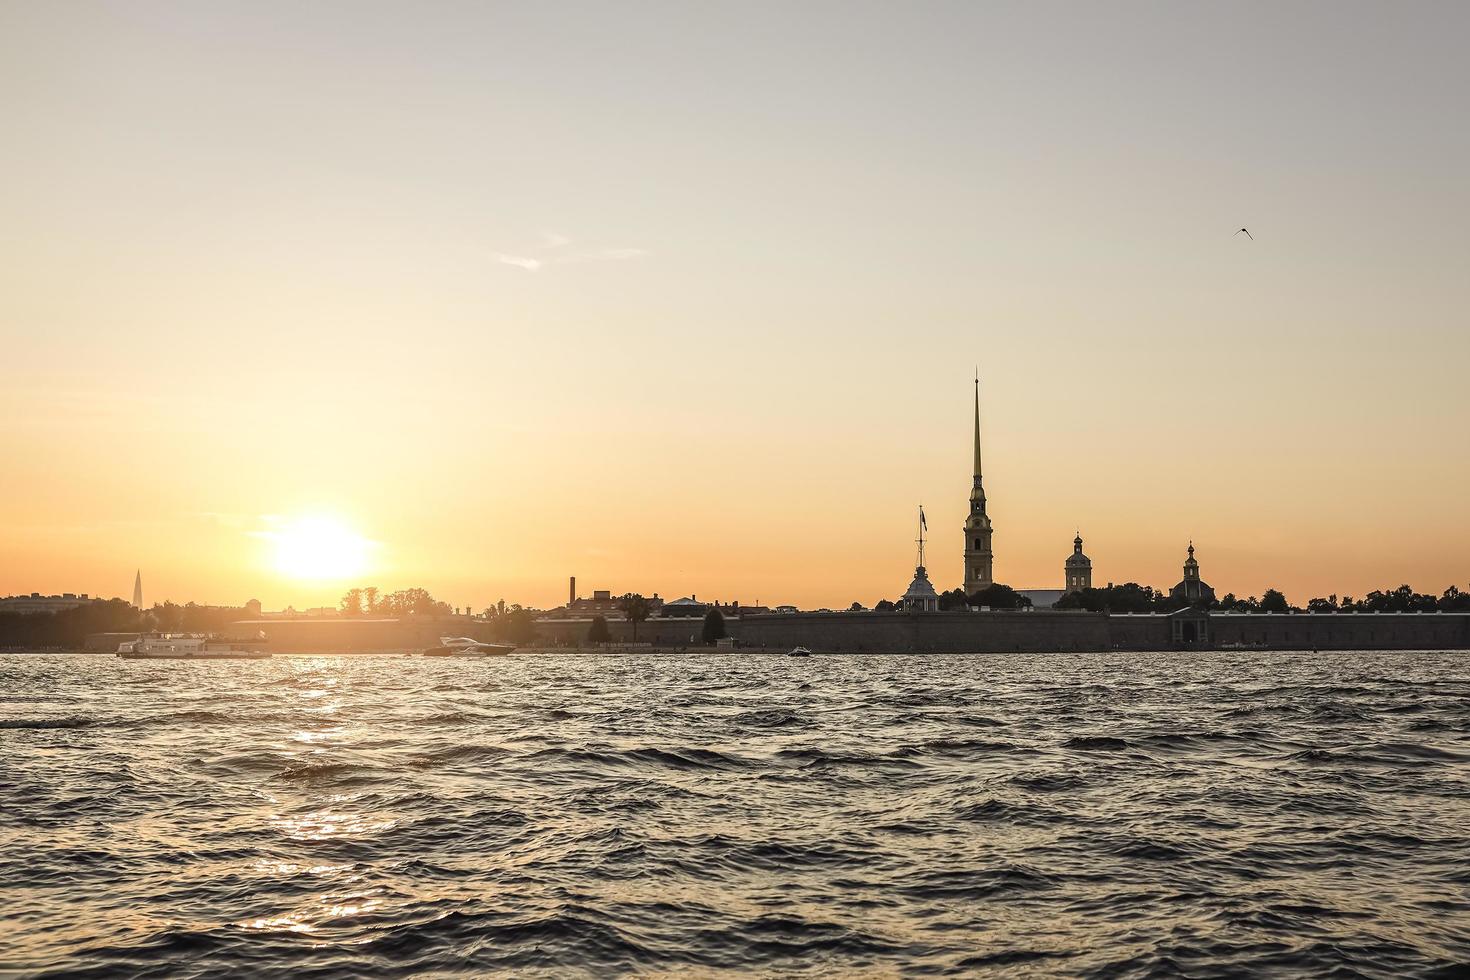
{"points": [[687, 298]]}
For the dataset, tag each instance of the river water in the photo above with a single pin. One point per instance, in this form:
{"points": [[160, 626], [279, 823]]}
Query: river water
{"points": [[1074, 815]]}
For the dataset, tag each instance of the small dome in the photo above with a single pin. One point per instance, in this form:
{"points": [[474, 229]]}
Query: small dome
{"points": [[920, 587]]}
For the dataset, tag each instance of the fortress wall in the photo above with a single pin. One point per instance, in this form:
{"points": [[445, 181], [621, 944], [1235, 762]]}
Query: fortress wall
{"points": [[658, 632], [1142, 632], [1344, 631], [898, 632], [943, 632], [963, 632], [358, 635]]}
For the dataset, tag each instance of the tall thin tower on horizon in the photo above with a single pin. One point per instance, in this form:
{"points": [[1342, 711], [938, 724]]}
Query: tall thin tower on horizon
{"points": [[138, 590], [978, 556]]}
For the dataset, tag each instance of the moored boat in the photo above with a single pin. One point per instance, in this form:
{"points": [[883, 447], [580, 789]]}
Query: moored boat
{"points": [[188, 646], [463, 646]]}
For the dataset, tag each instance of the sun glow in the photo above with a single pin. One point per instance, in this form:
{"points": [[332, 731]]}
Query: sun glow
{"points": [[319, 548]]}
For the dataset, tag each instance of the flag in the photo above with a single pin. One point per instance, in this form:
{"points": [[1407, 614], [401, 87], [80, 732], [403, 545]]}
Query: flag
{"points": [[923, 523]]}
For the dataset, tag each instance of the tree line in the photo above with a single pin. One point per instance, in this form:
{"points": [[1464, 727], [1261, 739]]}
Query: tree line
{"points": [[1132, 597], [69, 628], [405, 602], [995, 596]]}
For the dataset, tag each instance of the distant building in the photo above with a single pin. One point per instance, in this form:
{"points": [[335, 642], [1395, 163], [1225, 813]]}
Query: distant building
{"points": [[920, 595], [979, 560], [38, 603], [291, 612], [685, 608], [603, 603], [1191, 588], [1078, 570], [138, 589]]}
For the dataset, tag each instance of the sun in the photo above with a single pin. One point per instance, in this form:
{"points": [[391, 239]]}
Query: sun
{"points": [[320, 548]]}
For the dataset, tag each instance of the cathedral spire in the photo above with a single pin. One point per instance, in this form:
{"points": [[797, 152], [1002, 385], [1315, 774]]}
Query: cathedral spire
{"points": [[978, 556], [977, 427]]}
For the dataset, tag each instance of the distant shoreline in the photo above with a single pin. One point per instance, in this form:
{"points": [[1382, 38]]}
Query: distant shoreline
{"points": [[756, 652]]}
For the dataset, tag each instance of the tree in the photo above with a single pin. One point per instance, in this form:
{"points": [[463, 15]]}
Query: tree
{"points": [[884, 605], [352, 603], [714, 626], [518, 626], [635, 609], [1401, 599], [598, 631], [954, 599], [1078, 600], [69, 628], [1232, 604], [412, 602], [1274, 602], [1319, 605], [167, 617], [1454, 600], [858, 606], [370, 599], [998, 596]]}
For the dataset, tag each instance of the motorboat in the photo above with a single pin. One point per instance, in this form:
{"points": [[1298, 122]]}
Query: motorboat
{"points": [[463, 646], [188, 646], [799, 652]]}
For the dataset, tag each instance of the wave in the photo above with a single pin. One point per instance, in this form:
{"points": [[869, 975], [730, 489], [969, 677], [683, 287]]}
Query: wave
{"points": [[770, 718], [1008, 812], [1048, 782], [685, 758], [959, 748], [978, 884], [75, 721], [322, 770], [812, 757], [1096, 743]]}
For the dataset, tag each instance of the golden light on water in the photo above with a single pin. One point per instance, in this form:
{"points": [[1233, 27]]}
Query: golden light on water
{"points": [[319, 548]]}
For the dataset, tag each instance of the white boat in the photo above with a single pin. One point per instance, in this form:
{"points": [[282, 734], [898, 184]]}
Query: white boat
{"points": [[187, 646], [799, 652], [463, 646]]}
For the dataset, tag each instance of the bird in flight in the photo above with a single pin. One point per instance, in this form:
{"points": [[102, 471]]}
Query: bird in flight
{"points": [[1247, 235]]}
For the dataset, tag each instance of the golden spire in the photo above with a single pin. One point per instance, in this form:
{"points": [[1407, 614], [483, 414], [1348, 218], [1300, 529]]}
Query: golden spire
{"points": [[977, 426]]}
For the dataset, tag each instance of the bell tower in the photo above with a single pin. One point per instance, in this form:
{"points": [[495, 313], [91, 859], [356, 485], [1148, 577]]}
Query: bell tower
{"points": [[978, 557], [1078, 571]]}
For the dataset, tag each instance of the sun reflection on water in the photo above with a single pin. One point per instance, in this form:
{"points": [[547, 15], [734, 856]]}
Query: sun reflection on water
{"points": [[324, 825]]}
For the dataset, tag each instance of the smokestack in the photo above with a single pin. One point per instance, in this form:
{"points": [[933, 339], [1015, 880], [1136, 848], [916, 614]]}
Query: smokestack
{"points": [[572, 590]]}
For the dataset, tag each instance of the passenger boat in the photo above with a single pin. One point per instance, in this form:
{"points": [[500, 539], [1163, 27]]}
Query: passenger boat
{"points": [[188, 646], [463, 646]]}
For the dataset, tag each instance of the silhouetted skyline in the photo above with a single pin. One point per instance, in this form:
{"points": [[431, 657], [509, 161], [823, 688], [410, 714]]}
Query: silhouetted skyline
{"points": [[686, 298]]}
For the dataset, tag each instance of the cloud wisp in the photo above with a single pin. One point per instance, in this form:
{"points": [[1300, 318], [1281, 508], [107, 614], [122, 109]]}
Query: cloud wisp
{"points": [[552, 242], [519, 262]]}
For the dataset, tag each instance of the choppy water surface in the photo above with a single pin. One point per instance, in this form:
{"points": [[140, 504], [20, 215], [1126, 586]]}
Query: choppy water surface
{"points": [[1077, 815]]}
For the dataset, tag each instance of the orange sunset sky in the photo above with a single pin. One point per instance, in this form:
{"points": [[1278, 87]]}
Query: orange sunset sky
{"points": [[685, 298]]}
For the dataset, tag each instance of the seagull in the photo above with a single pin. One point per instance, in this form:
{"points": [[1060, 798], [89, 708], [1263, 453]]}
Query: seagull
{"points": [[1247, 235]]}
